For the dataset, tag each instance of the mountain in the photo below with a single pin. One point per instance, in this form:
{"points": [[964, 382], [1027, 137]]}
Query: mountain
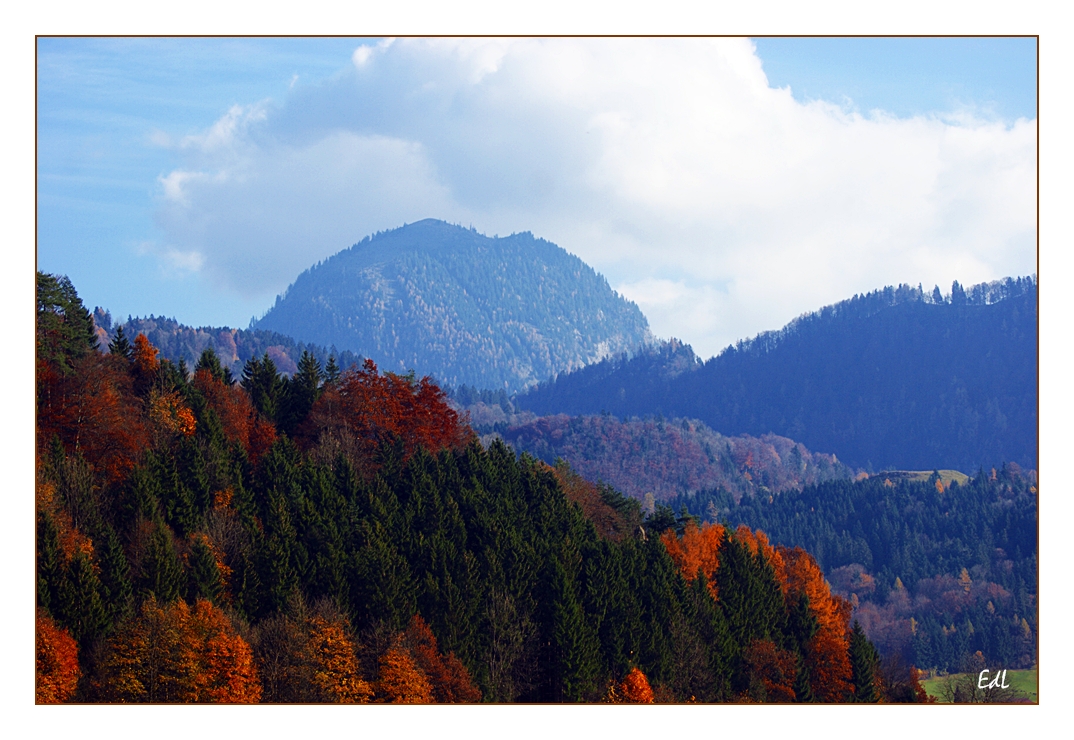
{"points": [[499, 312], [897, 378]]}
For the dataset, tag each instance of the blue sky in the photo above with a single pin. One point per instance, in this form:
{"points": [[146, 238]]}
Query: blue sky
{"points": [[196, 178]]}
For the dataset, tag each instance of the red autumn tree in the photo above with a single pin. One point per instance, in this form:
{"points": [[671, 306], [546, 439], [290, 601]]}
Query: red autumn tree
{"points": [[57, 662], [238, 417], [771, 671], [93, 411], [366, 407], [451, 682], [608, 522]]}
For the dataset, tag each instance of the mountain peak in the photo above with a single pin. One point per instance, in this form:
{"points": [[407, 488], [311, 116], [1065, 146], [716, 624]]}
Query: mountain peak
{"points": [[445, 300]]}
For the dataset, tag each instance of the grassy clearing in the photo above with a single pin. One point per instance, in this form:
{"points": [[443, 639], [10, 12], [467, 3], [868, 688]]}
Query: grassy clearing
{"points": [[1023, 681], [923, 475]]}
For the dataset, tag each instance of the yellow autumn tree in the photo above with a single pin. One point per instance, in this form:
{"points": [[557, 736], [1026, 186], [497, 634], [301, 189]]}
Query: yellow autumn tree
{"points": [[172, 653]]}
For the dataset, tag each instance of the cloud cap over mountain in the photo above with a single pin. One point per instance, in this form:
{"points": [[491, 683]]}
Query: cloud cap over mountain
{"points": [[721, 205]]}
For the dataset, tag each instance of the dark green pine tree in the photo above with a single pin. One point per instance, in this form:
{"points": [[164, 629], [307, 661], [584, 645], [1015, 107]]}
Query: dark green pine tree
{"points": [[715, 635], [162, 571], [301, 392], [64, 326], [264, 384], [84, 612], [802, 625], [210, 362], [52, 583], [203, 576], [115, 576], [120, 346], [574, 649], [865, 662], [750, 596], [331, 370]]}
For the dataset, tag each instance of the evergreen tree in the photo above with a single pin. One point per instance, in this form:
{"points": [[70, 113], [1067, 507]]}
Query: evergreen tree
{"points": [[115, 576], [120, 346], [802, 625], [210, 362], [64, 327], [865, 662], [264, 384], [84, 612], [203, 576], [574, 649], [51, 574], [161, 571], [302, 392], [331, 370]]}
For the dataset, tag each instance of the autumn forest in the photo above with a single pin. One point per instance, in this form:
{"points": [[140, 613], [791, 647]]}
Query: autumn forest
{"points": [[340, 534]]}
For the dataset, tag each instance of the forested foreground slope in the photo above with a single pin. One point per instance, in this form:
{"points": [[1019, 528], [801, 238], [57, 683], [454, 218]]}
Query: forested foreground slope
{"points": [[895, 379], [937, 573], [349, 540]]}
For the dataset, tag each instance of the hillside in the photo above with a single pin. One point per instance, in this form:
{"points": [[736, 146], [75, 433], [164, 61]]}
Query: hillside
{"points": [[936, 571], [668, 458], [898, 378], [180, 343], [499, 312], [190, 552]]}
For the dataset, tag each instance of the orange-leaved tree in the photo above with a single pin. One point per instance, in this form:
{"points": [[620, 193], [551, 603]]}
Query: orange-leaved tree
{"points": [[451, 682], [771, 671], [696, 550], [401, 681], [335, 668], [172, 653], [827, 653], [57, 662], [633, 689]]}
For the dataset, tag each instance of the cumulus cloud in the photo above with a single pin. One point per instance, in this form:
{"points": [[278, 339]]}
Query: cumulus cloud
{"points": [[720, 204]]}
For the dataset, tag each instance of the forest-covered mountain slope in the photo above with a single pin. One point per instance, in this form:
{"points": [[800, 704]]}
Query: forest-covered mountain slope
{"points": [[446, 301], [897, 378], [349, 539], [936, 571], [656, 459]]}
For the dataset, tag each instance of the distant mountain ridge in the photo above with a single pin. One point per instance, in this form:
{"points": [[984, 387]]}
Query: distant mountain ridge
{"points": [[492, 312], [180, 343], [897, 378]]}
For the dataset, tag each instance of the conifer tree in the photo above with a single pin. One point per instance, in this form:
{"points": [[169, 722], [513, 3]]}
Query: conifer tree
{"points": [[331, 370], [51, 574], [574, 647], [203, 577], [865, 662], [120, 346], [84, 613], [115, 576], [161, 571]]}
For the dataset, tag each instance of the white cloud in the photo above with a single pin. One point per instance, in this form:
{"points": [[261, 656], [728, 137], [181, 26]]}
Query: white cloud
{"points": [[721, 205]]}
